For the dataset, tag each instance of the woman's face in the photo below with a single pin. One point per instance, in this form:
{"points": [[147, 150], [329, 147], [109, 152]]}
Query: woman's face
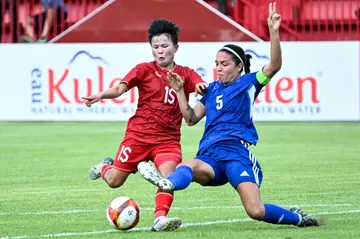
{"points": [[163, 50], [225, 67]]}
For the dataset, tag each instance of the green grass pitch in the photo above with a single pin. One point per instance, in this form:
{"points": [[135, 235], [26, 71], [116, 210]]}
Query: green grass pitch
{"points": [[46, 191]]}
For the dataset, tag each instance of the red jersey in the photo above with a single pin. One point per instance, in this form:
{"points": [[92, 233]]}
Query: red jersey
{"points": [[158, 117]]}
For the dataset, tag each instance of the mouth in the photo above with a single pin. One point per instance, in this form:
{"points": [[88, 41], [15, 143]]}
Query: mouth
{"points": [[220, 77], [161, 58]]}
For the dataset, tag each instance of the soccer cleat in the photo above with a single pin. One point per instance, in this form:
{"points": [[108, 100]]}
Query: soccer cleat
{"points": [[166, 185], [95, 171], [166, 224], [307, 220], [152, 175]]}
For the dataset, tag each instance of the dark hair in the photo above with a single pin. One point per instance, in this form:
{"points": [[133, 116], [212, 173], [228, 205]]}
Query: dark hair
{"points": [[163, 26], [244, 57]]}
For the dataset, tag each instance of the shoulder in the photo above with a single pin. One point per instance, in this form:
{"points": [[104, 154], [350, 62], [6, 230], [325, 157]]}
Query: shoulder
{"points": [[249, 76], [190, 75], [211, 86], [145, 66], [184, 70], [248, 79]]}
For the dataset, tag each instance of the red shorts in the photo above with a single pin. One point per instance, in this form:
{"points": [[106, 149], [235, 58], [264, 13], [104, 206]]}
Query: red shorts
{"points": [[131, 152]]}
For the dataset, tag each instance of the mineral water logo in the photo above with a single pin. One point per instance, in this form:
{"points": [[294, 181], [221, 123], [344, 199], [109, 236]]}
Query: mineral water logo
{"points": [[60, 86]]}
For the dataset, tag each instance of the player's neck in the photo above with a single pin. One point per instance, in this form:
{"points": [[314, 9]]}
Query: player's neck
{"points": [[232, 80], [169, 67]]}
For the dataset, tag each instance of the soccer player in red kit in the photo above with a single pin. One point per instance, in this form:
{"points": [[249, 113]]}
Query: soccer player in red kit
{"points": [[153, 133]]}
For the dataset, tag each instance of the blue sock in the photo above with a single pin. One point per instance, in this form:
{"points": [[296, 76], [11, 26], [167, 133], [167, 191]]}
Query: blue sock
{"points": [[181, 177], [278, 215]]}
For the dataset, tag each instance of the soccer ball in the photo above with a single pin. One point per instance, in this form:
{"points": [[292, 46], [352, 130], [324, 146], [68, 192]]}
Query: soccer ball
{"points": [[123, 213]]}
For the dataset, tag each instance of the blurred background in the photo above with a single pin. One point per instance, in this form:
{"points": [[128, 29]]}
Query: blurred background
{"points": [[303, 20]]}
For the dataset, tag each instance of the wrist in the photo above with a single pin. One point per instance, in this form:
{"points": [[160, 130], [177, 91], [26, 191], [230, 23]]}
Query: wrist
{"points": [[274, 32], [179, 90]]}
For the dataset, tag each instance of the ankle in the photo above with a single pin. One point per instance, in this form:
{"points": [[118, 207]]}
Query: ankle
{"points": [[158, 218]]}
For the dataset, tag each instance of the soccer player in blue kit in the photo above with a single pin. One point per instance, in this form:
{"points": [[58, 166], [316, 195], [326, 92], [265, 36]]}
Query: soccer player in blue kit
{"points": [[224, 155]]}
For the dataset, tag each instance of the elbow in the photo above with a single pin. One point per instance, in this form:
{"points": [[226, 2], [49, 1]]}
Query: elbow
{"points": [[275, 67], [118, 92], [120, 89], [274, 71], [279, 65], [190, 122]]}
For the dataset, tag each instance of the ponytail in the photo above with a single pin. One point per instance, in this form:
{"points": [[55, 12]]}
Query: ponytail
{"points": [[247, 63]]}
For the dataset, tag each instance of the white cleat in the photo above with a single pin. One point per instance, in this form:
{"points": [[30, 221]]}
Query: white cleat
{"points": [[166, 224], [166, 185], [152, 175], [95, 171]]}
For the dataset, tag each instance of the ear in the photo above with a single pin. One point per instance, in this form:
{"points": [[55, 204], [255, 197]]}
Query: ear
{"points": [[240, 66], [176, 47]]}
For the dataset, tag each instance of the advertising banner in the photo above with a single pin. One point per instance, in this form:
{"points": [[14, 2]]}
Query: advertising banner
{"points": [[319, 81]]}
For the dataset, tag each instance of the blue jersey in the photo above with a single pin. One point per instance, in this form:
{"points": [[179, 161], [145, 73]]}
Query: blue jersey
{"points": [[52, 3], [229, 110]]}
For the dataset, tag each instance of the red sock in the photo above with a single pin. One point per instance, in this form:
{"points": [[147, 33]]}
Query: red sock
{"points": [[163, 201], [105, 168]]}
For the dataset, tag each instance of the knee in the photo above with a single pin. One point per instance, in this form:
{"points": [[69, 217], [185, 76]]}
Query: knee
{"points": [[114, 182], [201, 175], [114, 178], [256, 212], [167, 168]]}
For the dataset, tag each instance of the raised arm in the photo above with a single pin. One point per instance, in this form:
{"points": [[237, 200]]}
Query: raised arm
{"points": [[191, 115], [275, 63]]}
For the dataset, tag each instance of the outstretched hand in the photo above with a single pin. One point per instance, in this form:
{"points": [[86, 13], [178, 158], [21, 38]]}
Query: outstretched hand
{"points": [[200, 88], [175, 81], [274, 18], [92, 99]]}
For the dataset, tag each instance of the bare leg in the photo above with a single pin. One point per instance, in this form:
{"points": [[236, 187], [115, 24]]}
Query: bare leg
{"points": [[250, 196], [28, 26], [115, 178]]}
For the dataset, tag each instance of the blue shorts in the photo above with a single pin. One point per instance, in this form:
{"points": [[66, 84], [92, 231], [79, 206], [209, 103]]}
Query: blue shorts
{"points": [[232, 162]]}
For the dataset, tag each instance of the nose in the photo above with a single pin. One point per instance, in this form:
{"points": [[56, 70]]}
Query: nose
{"points": [[160, 50]]}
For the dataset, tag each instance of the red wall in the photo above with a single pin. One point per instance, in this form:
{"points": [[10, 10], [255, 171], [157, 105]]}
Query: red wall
{"points": [[128, 21]]}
